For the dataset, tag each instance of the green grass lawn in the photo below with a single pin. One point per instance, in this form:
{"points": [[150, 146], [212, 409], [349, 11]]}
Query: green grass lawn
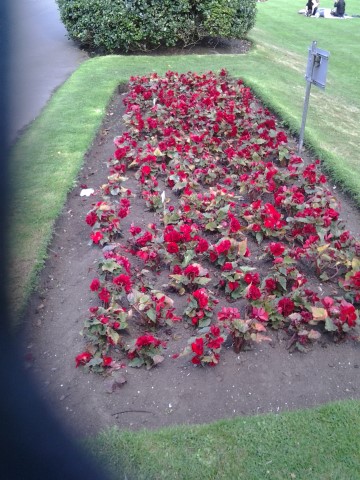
{"points": [[320, 444]]}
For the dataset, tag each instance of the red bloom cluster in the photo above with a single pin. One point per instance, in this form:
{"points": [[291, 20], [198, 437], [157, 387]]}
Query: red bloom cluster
{"points": [[207, 347], [83, 358], [124, 282], [146, 341], [208, 144]]}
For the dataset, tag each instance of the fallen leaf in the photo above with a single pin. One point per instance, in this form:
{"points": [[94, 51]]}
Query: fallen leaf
{"points": [[157, 359], [114, 382], [86, 192]]}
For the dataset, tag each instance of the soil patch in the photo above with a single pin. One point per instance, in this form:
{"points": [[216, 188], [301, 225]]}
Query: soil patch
{"points": [[264, 379], [205, 46]]}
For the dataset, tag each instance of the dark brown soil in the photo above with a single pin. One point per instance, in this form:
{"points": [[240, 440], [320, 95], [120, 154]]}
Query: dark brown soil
{"points": [[265, 379], [206, 46]]}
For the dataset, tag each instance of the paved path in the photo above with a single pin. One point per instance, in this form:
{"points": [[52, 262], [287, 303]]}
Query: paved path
{"points": [[42, 58]]}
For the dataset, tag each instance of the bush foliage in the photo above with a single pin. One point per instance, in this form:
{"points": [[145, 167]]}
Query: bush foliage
{"points": [[133, 25]]}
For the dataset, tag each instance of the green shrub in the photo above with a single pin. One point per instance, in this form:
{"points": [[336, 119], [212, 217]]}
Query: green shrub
{"points": [[227, 18], [130, 25]]}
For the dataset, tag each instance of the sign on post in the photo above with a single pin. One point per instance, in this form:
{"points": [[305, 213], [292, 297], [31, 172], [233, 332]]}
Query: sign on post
{"points": [[316, 72], [317, 65]]}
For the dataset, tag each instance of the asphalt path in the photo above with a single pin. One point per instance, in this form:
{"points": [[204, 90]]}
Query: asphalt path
{"points": [[42, 58]]}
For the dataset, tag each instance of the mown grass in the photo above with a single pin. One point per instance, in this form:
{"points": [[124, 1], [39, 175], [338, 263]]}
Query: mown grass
{"points": [[322, 444], [283, 37]]}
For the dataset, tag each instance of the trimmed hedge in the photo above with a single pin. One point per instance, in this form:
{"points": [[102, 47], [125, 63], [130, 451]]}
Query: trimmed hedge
{"points": [[133, 25]]}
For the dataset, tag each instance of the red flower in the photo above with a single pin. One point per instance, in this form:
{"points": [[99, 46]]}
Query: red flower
{"points": [[253, 292], [147, 340], [277, 248], [91, 219], [103, 319], [96, 237], [202, 246], [216, 360], [172, 247], [191, 271], [121, 152], [344, 237], [228, 314], [124, 282], [328, 302], [172, 236], [270, 284], [285, 306], [83, 358], [152, 122], [233, 286], [95, 285], [123, 212], [213, 256], [252, 278], [227, 266], [281, 137], [198, 346], [235, 225], [145, 170], [133, 230], [177, 270], [348, 313], [201, 297], [355, 279], [146, 238], [272, 217], [215, 343], [260, 314], [215, 330], [196, 360], [107, 361], [224, 246], [104, 295], [131, 355]]}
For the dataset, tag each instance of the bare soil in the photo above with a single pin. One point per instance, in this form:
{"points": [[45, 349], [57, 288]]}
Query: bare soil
{"points": [[266, 378]]}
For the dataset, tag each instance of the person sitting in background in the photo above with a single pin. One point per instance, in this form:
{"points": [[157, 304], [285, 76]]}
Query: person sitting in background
{"points": [[339, 8], [312, 7]]}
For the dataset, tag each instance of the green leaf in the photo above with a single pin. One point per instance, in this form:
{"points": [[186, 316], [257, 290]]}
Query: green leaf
{"points": [[95, 361], [204, 322], [144, 299], [178, 278], [319, 314], [324, 277], [283, 282], [151, 314], [136, 362], [189, 255], [211, 226], [242, 247], [329, 325], [314, 335], [110, 266], [115, 337]]}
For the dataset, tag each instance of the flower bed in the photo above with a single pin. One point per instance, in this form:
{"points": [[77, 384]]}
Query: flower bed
{"points": [[244, 229]]}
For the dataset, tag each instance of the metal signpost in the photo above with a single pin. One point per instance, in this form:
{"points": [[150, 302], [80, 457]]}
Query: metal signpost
{"points": [[316, 71]]}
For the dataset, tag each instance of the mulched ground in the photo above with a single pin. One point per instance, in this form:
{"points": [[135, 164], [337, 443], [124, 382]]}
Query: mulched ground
{"points": [[266, 378]]}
